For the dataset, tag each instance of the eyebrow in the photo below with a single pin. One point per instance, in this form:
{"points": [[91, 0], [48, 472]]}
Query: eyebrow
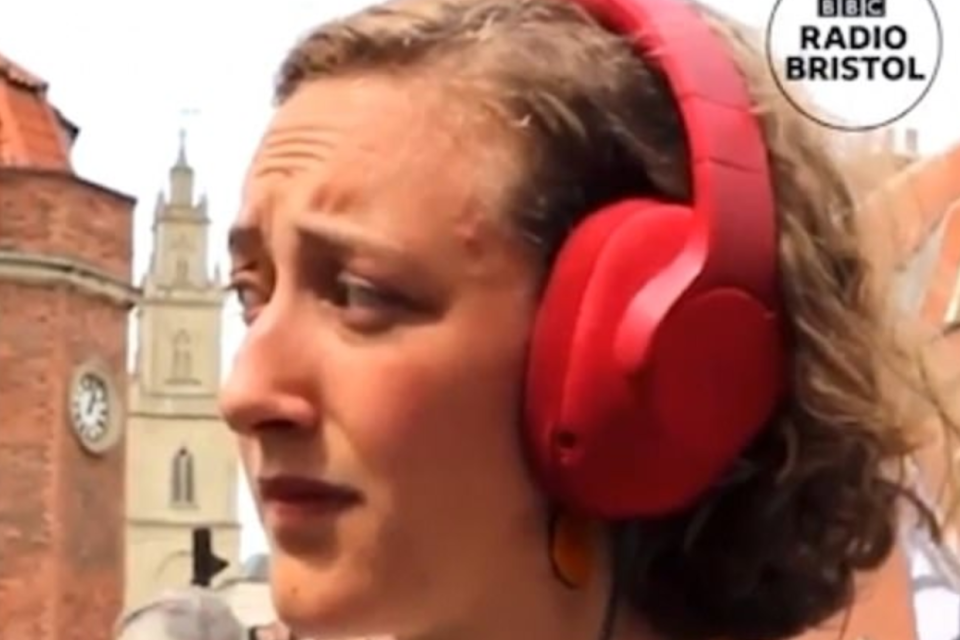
{"points": [[346, 238], [244, 241]]}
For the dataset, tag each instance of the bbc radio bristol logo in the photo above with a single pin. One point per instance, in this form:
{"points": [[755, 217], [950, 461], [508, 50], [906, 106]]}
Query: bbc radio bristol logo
{"points": [[865, 63]]}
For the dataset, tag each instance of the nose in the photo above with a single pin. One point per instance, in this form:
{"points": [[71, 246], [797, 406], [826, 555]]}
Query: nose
{"points": [[270, 383]]}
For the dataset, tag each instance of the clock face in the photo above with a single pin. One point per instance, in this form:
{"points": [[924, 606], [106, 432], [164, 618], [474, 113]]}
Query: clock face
{"points": [[90, 408]]}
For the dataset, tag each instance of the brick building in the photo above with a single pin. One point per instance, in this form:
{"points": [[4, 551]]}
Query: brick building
{"points": [[65, 295]]}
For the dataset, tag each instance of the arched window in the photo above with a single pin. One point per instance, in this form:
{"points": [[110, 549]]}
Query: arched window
{"points": [[182, 364], [182, 490]]}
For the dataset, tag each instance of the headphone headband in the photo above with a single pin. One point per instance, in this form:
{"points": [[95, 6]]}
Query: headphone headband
{"points": [[730, 171]]}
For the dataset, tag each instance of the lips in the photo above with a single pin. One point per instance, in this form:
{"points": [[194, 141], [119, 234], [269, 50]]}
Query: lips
{"points": [[296, 490], [301, 513]]}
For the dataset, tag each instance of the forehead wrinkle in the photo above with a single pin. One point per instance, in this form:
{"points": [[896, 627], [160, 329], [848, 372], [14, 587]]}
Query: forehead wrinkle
{"points": [[289, 150], [393, 130], [288, 154], [421, 114]]}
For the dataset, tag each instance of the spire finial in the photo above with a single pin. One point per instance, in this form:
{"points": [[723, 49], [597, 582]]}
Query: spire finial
{"points": [[182, 152], [185, 114]]}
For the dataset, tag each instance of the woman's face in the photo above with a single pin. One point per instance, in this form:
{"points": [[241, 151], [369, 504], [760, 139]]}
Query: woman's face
{"points": [[376, 395]]}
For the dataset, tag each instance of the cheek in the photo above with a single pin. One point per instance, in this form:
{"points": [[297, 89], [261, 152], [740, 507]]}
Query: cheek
{"points": [[432, 404]]}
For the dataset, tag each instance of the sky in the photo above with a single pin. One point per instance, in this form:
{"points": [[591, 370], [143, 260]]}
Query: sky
{"points": [[132, 74]]}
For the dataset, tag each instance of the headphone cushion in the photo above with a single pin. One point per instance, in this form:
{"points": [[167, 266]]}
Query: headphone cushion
{"points": [[616, 440], [577, 397]]}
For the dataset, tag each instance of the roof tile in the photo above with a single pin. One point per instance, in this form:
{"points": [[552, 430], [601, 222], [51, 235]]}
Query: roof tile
{"points": [[32, 133]]}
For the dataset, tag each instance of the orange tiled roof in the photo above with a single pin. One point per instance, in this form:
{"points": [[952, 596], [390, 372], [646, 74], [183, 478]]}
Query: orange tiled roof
{"points": [[32, 133], [14, 73]]}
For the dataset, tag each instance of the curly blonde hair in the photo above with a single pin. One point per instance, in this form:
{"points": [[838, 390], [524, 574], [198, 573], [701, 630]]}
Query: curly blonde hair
{"points": [[776, 546]]}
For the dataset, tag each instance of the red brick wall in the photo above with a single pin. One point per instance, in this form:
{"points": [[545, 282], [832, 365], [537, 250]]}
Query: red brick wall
{"points": [[61, 511], [53, 214]]}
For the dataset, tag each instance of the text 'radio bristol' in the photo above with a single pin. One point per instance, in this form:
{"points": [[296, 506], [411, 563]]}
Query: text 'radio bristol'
{"points": [[837, 48]]}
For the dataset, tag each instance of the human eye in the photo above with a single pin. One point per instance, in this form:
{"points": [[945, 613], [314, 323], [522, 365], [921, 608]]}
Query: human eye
{"points": [[249, 296], [366, 306]]}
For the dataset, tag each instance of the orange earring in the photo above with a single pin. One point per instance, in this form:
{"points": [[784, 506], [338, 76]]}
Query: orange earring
{"points": [[573, 548]]}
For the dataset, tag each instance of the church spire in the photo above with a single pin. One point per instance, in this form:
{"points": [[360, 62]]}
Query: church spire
{"points": [[181, 176], [182, 153], [179, 257]]}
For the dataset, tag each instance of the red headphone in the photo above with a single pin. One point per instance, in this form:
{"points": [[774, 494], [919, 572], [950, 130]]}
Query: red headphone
{"points": [[659, 351]]}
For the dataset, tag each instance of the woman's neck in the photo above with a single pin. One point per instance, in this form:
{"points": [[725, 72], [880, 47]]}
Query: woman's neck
{"points": [[523, 600]]}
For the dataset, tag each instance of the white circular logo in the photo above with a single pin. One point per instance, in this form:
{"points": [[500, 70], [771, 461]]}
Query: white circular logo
{"points": [[866, 63]]}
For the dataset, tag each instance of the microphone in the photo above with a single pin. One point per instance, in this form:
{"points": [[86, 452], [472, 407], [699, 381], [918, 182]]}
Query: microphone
{"points": [[185, 614]]}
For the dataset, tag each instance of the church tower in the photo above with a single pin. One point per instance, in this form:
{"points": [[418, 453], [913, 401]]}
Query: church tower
{"points": [[182, 468]]}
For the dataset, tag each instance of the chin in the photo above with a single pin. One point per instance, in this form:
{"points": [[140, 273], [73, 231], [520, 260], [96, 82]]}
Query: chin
{"points": [[316, 600]]}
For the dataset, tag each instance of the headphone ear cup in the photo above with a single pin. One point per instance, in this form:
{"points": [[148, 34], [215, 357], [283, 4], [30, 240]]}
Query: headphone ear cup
{"points": [[714, 377], [587, 423]]}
